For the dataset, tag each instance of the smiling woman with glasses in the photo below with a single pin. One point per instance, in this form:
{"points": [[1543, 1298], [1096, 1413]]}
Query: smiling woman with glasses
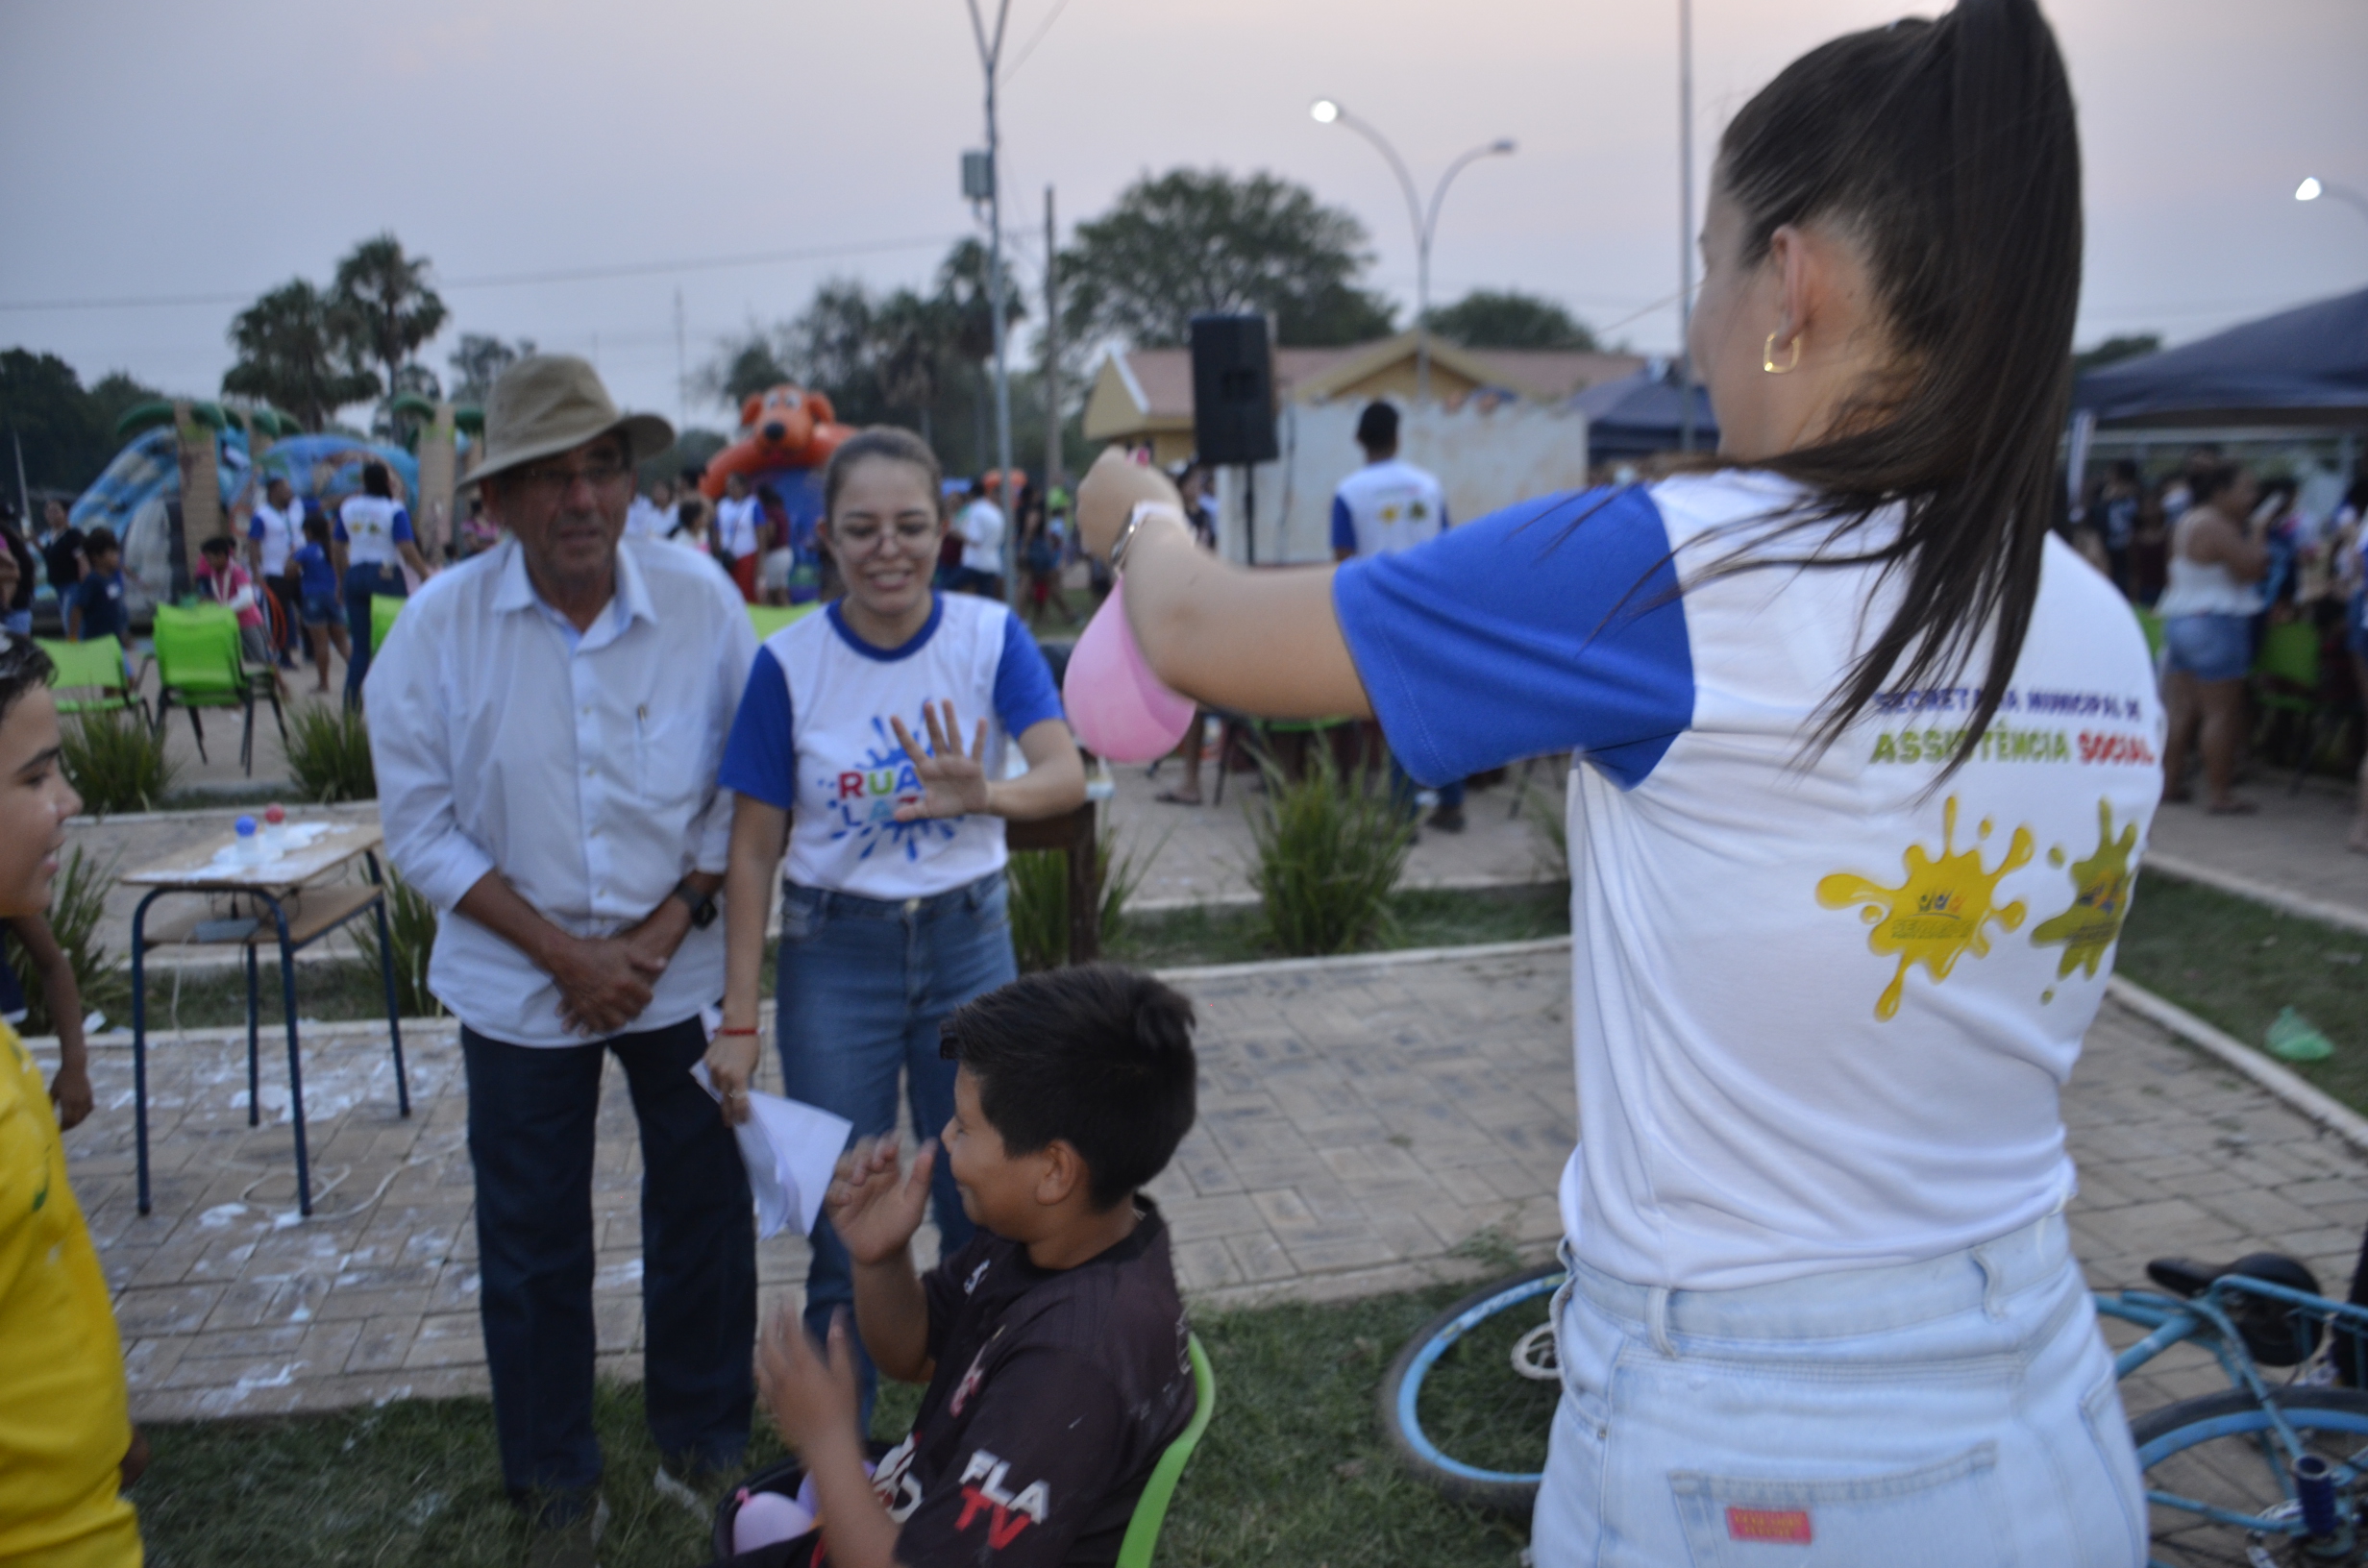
{"points": [[850, 751]]}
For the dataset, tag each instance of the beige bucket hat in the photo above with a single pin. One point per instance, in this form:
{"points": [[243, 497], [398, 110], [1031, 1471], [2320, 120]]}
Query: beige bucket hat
{"points": [[547, 404]]}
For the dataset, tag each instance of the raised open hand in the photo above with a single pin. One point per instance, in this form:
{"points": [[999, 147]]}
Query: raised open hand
{"points": [[952, 783], [874, 1206]]}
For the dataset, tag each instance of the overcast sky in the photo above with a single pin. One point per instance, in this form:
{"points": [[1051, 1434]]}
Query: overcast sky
{"points": [[149, 150]]}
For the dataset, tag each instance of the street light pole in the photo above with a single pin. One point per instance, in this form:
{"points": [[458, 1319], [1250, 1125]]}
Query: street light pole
{"points": [[1685, 224], [989, 57], [1326, 112], [2313, 188]]}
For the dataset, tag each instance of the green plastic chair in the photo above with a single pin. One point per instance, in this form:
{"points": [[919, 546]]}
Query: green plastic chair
{"points": [[2287, 677], [2150, 625], [1151, 1509], [768, 619], [384, 608], [199, 666], [95, 666]]}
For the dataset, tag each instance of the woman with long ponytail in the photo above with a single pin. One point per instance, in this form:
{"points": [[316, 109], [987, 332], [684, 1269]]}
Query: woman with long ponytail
{"points": [[1866, 762]]}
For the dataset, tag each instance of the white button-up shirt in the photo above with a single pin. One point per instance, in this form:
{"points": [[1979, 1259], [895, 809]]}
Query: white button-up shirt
{"points": [[580, 767]]}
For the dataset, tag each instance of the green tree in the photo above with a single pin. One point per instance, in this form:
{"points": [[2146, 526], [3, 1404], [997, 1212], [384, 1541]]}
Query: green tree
{"points": [[746, 363], [289, 356], [383, 307], [113, 396], [1506, 318], [478, 362], [68, 432], [2114, 349], [1189, 240]]}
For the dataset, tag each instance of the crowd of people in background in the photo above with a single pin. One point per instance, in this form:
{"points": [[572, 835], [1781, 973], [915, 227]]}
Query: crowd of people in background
{"points": [[2222, 556]]}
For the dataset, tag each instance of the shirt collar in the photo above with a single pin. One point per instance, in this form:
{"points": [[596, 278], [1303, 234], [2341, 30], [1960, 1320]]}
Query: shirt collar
{"points": [[516, 591]]}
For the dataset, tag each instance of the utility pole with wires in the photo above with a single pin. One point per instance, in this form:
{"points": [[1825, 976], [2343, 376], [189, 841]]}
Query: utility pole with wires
{"points": [[1053, 355], [1685, 224], [682, 375], [990, 60]]}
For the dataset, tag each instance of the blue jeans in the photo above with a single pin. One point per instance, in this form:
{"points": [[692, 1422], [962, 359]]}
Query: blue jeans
{"points": [[2211, 648], [362, 583], [1959, 1412], [862, 986], [531, 1110], [1402, 788]]}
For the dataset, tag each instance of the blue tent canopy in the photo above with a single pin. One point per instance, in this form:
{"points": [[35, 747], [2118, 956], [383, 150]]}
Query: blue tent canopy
{"points": [[1642, 414], [2307, 366]]}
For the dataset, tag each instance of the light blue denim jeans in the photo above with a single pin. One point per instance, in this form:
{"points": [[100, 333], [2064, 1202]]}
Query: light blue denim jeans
{"points": [[862, 986], [1961, 1411]]}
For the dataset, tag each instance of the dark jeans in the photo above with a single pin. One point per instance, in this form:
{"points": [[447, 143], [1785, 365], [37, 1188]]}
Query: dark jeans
{"points": [[531, 1110], [363, 584], [863, 985], [1402, 788]]}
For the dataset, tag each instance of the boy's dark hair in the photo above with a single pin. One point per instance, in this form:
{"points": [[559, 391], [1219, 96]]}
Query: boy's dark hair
{"points": [[1099, 1056], [1377, 427], [23, 667], [316, 527], [217, 545], [377, 481], [99, 541]]}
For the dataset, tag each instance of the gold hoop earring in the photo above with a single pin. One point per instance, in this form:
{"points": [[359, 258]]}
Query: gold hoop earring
{"points": [[1768, 356]]}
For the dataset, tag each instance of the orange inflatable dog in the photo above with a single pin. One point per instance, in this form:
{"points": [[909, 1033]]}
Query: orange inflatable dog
{"points": [[781, 428]]}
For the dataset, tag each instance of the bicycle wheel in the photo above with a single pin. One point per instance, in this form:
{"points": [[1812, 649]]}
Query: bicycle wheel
{"points": [[1468, 1402], [2222, 1454]]}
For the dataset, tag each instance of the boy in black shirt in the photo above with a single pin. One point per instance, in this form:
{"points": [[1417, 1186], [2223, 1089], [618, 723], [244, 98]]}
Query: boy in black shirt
{"points": [[1054, 1345]]}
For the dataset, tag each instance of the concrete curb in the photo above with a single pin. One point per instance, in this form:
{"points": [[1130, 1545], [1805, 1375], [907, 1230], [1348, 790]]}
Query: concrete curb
{"points": [[1476, 882], [2324, 1109], [1349, 960], [2260, 892]]}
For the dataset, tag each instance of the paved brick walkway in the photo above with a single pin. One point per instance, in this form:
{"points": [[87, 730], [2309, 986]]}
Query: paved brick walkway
{"points": [[1207, 848], [1362, 1124]]}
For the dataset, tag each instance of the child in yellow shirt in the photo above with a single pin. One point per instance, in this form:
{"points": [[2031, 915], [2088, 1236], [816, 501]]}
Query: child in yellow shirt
{"points": [[65, 1431]]}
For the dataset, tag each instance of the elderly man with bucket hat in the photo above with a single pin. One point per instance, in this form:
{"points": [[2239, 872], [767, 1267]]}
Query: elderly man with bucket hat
{"points": [[547, 720]]}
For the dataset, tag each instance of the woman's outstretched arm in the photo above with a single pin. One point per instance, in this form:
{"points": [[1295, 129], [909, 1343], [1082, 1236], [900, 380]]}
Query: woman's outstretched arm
{"points": [[1267, 641]]}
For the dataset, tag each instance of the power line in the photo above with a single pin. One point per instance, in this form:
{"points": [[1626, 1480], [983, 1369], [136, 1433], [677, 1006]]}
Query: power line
{"points": [[1037, 38], [513, 280]]}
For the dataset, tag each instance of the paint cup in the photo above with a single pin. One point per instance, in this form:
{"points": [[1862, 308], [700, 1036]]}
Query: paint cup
{"points": [[1117, 707]]}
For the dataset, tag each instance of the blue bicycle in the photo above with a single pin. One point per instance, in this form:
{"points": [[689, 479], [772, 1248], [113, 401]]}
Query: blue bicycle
{"points": [[2274, 1471]]}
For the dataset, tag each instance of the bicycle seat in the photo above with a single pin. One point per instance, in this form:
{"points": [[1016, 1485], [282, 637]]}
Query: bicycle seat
{"points": [[2276, 1333]]}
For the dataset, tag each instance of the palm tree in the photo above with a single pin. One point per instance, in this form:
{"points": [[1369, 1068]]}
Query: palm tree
{"points": [[290, 354], [383, 308]]}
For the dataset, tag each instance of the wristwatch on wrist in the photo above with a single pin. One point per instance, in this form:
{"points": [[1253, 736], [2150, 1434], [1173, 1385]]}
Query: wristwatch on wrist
{"points": [[701, 905]]}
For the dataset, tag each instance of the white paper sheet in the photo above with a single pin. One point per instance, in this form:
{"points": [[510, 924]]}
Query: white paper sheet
{"points": [[790, 1148]]}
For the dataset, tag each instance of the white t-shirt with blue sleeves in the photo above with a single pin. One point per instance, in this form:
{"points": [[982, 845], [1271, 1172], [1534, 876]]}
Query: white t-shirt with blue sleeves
{"points": [[813, 737], [1824, 1003], [1386, 506], [370, 527]]}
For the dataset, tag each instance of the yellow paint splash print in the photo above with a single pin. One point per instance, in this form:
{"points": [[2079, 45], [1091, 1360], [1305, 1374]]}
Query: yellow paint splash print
{"points": [[2100, 899], [1937, 914]]}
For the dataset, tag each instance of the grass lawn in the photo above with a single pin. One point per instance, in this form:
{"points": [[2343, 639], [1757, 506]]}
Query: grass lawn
{"points": [[2234, 964], [1293, 1471]]}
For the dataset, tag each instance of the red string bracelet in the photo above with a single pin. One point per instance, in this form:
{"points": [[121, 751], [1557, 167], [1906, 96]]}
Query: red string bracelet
{"points": [[722, 1031]]}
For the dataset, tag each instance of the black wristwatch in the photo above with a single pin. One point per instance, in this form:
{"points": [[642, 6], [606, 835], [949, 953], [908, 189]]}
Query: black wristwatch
{"points": [[701, 905]]}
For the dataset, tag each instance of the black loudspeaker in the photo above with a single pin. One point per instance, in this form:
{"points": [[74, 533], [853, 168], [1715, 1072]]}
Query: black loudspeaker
{"points": [[1233, 390]]}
